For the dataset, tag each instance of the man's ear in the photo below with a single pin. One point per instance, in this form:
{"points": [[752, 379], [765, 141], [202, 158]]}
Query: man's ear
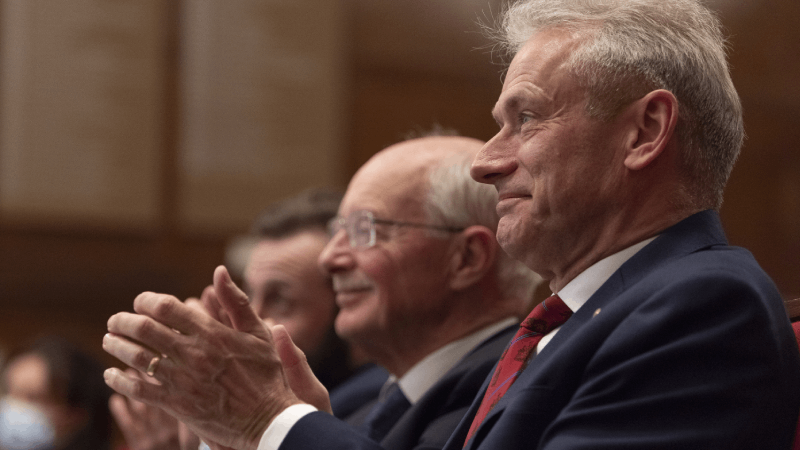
{"points": [[474, 256], [654, 118]]}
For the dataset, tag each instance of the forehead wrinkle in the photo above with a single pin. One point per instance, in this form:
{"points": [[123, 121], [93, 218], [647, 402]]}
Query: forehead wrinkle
{"points": [[540, 75], [521, 93]]}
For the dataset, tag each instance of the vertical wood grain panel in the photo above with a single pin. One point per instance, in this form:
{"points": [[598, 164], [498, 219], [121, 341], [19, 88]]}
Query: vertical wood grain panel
{"points": [[81, 113]]}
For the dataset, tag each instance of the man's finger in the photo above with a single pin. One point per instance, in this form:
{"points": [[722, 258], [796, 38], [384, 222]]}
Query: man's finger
{"points": [[133, 387], [301, 379], [122, 415], [188, 440], [167, 310], [213, 308], [235, 303], [134, 355], [196, 304]]}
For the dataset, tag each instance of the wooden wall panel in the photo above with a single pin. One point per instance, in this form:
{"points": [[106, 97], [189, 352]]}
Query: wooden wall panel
{"points": [[263, 96], [762, 206], [390, 106], [81, 112]]}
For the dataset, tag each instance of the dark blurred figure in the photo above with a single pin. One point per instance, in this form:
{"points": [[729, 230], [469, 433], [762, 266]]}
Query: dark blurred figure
{"points": [[286, 286], [54, 399]]}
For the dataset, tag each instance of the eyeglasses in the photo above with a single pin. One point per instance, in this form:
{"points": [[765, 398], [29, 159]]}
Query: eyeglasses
{"points": [[360, 227]]}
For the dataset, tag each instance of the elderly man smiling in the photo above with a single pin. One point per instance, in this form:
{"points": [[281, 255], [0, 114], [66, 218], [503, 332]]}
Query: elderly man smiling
{"points": [[422, 286]]}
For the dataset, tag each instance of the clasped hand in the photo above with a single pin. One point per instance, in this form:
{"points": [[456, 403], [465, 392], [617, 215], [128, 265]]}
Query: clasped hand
{"points": [[225, 382]]}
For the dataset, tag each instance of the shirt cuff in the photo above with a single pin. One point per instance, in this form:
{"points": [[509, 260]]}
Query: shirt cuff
{"points": [[276, 431]]}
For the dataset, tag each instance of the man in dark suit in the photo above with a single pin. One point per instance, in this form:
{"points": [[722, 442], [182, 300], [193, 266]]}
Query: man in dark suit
{"points": [[422, 287], [619, 126]]}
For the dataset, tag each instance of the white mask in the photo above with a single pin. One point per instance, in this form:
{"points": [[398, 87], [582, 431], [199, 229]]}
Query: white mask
{"points": [[23, 426]]}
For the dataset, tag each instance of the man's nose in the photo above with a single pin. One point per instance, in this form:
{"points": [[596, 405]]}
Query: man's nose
{"points": [[495, 160], [337, 254]]}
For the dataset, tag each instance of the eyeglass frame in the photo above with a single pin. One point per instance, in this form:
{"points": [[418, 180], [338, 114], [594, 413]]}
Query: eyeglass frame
{"points": [[339, 223]]}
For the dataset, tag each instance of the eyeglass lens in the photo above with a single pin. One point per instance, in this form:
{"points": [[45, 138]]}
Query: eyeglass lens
{"points": [[360, 228]]}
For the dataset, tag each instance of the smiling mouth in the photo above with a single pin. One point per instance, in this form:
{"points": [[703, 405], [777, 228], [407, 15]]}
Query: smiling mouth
{"points": [[511, 197], [349, 297], [348, 290], [352, 290], [345, 285]]}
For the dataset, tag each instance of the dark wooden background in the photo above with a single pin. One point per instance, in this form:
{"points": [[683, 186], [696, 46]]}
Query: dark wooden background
{"points": [[410, 63]]}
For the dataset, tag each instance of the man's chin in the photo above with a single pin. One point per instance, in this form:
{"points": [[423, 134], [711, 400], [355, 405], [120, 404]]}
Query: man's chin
{"points": [[505, 232], [513, 242], [347, 325]]}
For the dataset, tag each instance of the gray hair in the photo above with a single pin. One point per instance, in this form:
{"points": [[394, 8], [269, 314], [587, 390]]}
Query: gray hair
{"points": [[632, 47], [455, 199]]}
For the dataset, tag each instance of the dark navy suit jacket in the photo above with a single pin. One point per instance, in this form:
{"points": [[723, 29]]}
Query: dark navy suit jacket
{"points": [[686, 346], [360, 389], [426, 425]]}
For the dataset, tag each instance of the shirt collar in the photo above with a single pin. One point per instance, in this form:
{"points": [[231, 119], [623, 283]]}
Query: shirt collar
{"points": [[424, 374], [578, 291]]}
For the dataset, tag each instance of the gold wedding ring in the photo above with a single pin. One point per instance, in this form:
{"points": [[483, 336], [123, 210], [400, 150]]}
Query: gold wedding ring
{"points": [[151, 368]]}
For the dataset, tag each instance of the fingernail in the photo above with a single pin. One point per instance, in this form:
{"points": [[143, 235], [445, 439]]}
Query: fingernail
{"points": [[107, 375], [224, 276]]}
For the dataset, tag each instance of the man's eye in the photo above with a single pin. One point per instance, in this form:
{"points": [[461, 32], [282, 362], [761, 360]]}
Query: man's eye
{"points": [[525, 118], [280, 306]]}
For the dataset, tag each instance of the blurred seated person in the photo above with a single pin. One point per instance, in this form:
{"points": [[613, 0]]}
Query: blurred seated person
{"points": [[286, 287], [54, 399]]}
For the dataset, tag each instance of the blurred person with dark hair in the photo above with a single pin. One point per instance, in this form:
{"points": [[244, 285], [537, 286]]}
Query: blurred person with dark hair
{"points": [[286, 286], [55, 399]]}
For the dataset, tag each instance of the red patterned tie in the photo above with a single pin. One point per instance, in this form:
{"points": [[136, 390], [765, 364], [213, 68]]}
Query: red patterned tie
{"points": [[545, 317]]}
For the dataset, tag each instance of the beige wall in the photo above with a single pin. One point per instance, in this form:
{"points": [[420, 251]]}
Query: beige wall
{"points": [[137, 136]]}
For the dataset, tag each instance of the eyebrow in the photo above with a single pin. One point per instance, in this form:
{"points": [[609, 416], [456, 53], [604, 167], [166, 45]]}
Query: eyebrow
{"points": [[509, 103]]}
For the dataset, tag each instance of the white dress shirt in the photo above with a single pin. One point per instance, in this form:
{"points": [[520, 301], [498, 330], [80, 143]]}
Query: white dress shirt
{"points": [[578, 291]]}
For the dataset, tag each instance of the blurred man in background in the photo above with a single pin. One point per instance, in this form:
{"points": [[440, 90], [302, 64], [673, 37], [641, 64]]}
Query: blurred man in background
{"points": [[286, 286]]}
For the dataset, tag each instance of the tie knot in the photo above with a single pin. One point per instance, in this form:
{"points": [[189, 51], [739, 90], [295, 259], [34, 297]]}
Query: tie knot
{"points": [[547, 315]]}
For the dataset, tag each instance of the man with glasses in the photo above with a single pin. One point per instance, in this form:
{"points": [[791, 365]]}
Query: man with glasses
{"points": [[422, 287]]}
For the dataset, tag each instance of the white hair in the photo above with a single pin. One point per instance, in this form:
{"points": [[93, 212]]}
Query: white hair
{"points": [[456, 200], [632, 47]]}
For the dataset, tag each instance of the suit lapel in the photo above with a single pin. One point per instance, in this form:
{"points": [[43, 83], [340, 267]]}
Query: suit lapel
{"points": [[488, 351]]}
